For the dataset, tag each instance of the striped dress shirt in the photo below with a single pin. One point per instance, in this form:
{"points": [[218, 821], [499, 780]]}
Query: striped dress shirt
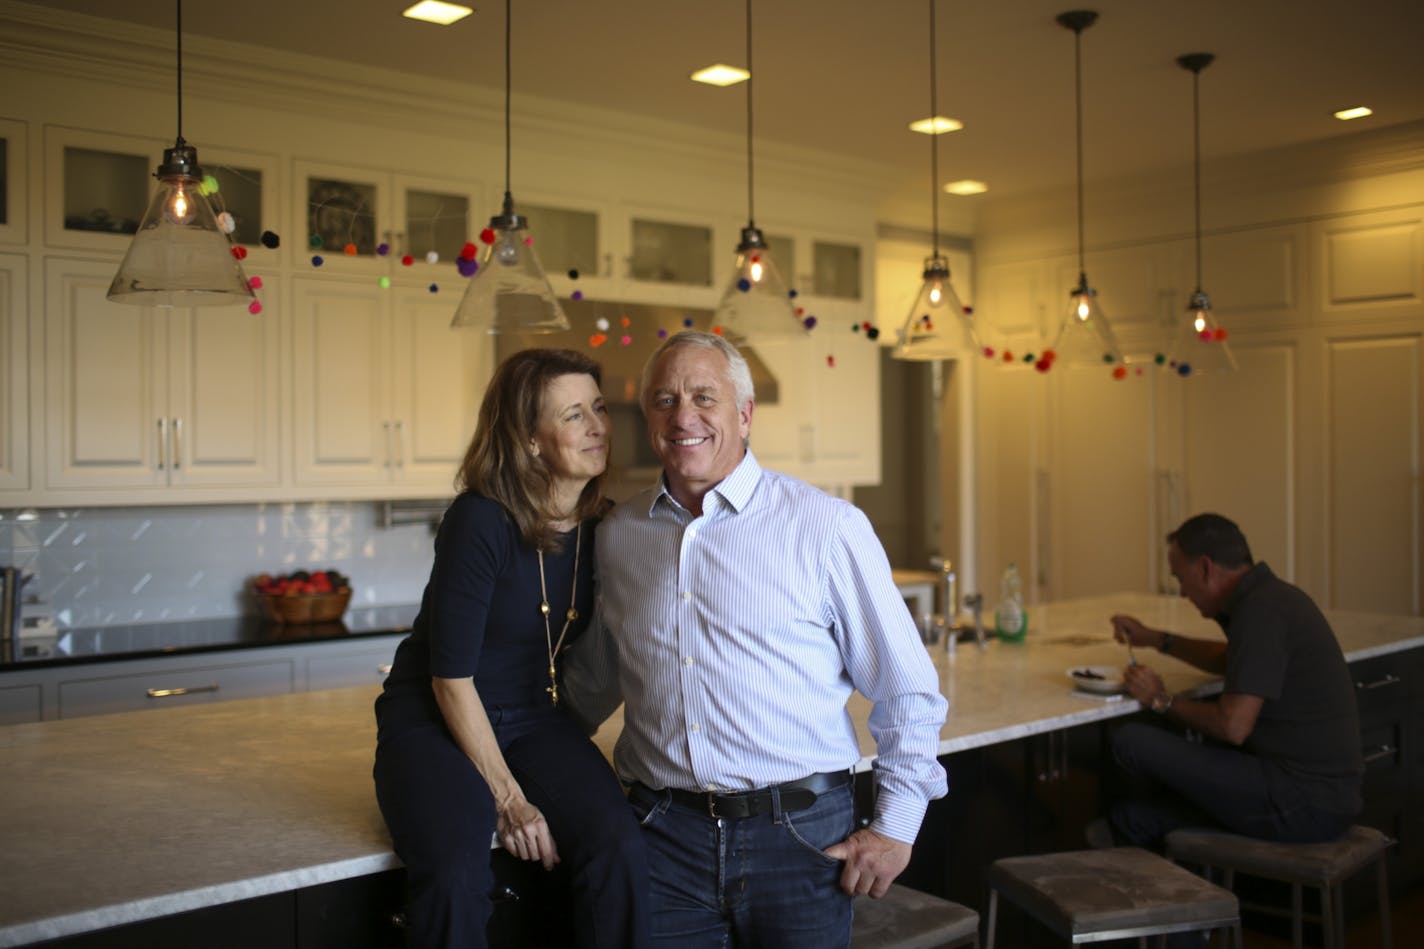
{"points": [[735, 639]]}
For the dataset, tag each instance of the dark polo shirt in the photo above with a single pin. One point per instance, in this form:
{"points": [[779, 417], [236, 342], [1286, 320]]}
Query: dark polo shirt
{"points": [[1280, 648]]}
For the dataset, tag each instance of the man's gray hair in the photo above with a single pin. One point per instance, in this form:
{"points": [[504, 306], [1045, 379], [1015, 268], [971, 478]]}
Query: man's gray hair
{"points": [[738, 373]]}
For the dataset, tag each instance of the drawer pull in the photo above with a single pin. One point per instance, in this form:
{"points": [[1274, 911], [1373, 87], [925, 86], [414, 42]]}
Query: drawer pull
{"points": [[1383, 751], [1388, 679], [167, 693]]}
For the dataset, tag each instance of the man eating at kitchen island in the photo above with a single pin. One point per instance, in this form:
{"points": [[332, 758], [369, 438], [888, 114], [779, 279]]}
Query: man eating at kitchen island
{"points": [[740, 608], [1283, 757]]}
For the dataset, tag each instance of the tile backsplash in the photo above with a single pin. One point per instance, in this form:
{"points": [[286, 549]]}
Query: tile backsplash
{"points": [[121, 565]]}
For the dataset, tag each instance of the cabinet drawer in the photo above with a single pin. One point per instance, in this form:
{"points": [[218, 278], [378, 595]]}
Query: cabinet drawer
{"points": [[362, 668], [173, 687], [20, 703]]}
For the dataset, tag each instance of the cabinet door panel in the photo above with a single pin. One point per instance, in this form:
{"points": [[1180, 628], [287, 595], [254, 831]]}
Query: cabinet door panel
{"points": [[104, 381], [14, 383], [224, 369], [438, 377], [343, 434]]}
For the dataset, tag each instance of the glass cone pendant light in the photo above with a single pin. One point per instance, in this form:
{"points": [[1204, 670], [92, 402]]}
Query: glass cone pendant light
{"points": [[939, 326], [756, 306], [1198, 344], [509, 292], [1084, 337], [180, 256]]}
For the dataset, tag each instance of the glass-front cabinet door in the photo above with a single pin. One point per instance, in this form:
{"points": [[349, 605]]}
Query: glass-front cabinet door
{"points": [[672, 256], [434, 219], [97, 188], [14, 193], [573, 246]]}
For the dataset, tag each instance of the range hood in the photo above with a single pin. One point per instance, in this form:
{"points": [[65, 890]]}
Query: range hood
{"points": [[623, 365]]}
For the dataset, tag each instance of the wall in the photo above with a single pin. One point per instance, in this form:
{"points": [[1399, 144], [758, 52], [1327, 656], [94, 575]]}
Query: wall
{"points": [[113, 566], [1314, 259]]}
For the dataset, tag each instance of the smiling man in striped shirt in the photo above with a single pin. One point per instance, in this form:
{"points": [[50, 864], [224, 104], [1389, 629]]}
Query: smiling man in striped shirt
{"points": [[740, 609]]}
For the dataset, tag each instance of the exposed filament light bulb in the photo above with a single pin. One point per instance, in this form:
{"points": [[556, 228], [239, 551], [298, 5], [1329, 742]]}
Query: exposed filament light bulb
{"points": [[179, 209], [1083, 309], [755, 271], [935, 294]]}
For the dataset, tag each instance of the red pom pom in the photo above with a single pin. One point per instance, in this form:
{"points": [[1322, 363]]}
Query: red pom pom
{"points": [[625, 322], [349, 250], [1050, 355], [407, 260], [1204, 336], [1220, 333], [1008, 356], [1119, 372], [717, 331], [988, 352], [487, 236], [468, 251], [239, 251], [1043, 365], [597, 340], [831, 361]]}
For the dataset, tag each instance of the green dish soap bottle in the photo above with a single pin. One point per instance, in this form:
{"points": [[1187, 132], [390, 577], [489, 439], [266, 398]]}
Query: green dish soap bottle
{"points": [[1011, 619]]}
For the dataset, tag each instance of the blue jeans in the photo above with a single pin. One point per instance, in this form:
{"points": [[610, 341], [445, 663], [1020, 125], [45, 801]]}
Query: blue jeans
{"points": [[1209, 785], [755, 881]]}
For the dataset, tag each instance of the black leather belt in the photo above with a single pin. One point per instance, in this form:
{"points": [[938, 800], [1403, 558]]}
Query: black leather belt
{"points": [[795, 796]]}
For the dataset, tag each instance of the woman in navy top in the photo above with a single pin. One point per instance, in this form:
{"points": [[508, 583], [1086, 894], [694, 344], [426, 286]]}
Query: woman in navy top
{"points": [[472, 742]]}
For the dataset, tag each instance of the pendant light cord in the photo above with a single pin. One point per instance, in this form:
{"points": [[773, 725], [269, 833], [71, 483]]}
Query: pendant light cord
{"points": [[508, 199], [1078, 78], [179, 4], [751, 205], [1196, 165], [934, 135]]}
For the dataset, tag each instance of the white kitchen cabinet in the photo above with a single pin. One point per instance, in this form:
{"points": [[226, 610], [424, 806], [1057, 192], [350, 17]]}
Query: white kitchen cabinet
{"points": [[14, 187], [384, 392], [146, 403], [368, 221], [825, 424], [14, 385]]}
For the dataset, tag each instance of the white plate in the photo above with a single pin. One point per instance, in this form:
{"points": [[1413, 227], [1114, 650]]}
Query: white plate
{"points": [[1108, 681]]}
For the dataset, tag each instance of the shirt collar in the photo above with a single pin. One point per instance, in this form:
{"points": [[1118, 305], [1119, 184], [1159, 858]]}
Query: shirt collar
{"points": [[1258, 574], [735, 490]]}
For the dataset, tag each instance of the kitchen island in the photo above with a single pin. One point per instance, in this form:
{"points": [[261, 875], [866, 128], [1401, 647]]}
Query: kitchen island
{"points": [[116, 819]]}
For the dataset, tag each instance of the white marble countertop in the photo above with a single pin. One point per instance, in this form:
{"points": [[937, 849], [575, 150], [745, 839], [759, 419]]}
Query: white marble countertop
{"points": [[119, 818]]}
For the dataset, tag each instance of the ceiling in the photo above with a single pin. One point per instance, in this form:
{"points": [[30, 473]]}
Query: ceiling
{"points": [[847, 76]]}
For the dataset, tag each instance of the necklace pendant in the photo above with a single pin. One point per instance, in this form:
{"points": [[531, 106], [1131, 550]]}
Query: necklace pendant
{"points": [[571, 615], [553, 691]]}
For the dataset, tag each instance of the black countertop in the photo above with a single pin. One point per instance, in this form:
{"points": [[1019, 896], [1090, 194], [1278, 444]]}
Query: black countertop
{"points": [[148, 640]]}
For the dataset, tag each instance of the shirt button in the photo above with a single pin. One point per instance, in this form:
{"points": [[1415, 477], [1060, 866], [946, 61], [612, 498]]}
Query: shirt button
{"points": [[697, 728], [687, 661], [709, 786], [686, 595], [691, 533]]}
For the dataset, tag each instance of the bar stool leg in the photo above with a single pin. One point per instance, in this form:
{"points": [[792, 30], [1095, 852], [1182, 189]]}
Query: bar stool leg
{"points": [[1386, 929], [1327, 916], [1297, 912], [993, 917]]}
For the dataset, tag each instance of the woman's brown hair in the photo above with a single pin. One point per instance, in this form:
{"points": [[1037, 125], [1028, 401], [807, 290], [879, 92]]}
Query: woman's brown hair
{"points": [[499, 463]]}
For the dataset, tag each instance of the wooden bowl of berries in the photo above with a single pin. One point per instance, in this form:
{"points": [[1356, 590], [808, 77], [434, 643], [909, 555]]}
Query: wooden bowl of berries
{"points": [[302, 596]]}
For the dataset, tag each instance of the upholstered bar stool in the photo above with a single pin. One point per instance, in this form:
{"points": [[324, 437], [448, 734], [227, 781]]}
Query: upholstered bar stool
{"points": [[908, 919], [1121, 893], [1324, 867]]}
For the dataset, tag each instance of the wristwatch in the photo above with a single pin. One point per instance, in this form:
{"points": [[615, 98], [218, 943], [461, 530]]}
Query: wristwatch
{"points": [[1166, 645], [1162, 703]]}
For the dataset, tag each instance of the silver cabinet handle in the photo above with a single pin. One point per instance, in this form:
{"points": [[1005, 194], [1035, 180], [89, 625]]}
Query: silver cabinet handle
{"points": [[400, 443], [1388, 679], [168, 693], [162, 443], [387, 426], [1383, 751], [177, 443]]}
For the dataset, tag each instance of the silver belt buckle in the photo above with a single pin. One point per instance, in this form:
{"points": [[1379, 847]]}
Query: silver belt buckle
{"points": [[712, 806]]}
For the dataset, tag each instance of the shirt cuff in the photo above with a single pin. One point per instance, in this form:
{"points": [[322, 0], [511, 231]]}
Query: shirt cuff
{"points": [[898, 817]]}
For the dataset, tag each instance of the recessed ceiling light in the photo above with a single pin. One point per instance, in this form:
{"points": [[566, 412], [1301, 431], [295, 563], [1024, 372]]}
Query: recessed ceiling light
{"points": [[1358, 112], [966, 186], [433, 11], [937, 125], [721, 75]]}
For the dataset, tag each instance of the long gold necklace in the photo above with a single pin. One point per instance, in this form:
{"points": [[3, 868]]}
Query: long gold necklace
{"points": [[569, 617]]}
